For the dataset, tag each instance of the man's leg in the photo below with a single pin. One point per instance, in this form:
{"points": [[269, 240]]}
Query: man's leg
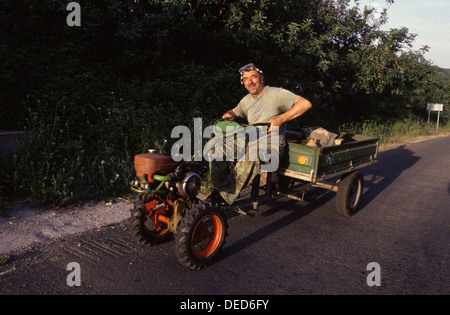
{"points": [[230, 185], [221, 176], [245, 173]]}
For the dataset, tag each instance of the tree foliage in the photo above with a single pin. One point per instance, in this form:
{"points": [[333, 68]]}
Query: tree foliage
{"points": [[134, 69]]}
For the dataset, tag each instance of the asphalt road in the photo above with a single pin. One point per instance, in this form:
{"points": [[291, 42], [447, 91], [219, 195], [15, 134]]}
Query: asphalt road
{"points": [[290, 248]]}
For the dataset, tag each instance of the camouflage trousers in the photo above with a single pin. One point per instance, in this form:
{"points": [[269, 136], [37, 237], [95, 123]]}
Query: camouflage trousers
{"points": [[229, 178]]}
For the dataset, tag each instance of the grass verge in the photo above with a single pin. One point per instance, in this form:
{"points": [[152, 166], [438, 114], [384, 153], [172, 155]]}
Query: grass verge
{"points": [[396, 133]]}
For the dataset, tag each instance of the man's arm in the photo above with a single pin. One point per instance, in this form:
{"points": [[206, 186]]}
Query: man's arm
{"points": [[301, 105]]}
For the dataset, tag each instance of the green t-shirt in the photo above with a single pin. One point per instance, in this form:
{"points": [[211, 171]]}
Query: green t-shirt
{"points": [[271, 103]]}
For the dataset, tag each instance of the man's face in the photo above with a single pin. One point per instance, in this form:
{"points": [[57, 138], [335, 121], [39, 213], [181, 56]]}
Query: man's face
{"points": [[253, 82]]}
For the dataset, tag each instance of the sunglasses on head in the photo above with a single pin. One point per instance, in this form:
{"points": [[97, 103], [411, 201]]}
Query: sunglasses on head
{"points": [[249, 67]]}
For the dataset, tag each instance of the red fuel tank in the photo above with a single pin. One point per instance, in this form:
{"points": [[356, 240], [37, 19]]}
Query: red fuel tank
{"points": [[149, 163]]}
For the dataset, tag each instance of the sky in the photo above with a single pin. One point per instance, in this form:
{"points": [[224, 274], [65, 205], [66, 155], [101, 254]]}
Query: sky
{"points": [[428, 19]]}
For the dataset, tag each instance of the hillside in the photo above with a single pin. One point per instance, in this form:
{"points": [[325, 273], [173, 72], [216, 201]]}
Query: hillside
{"points": [[444, 74]]}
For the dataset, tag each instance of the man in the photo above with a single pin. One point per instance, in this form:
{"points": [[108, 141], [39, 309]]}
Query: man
{"points": [[263, 104]]}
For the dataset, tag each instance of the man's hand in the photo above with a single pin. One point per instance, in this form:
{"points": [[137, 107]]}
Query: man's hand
{"points": [[275, 123], [229, 115]]}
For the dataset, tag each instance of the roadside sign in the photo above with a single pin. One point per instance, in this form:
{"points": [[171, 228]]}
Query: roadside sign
{"points": [[433, 107]]}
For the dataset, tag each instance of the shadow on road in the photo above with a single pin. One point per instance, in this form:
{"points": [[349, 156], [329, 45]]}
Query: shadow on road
{"points": [[391, 164], [377, 178], [298, 210]]}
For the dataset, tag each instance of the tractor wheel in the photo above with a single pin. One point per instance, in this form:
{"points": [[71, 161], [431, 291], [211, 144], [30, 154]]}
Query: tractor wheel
{"points": [[349, 193], [200, 235], [149, 219]]}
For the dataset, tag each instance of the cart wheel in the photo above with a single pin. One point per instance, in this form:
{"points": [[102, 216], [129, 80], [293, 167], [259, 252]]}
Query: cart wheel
{"points": [[147, 223], [200, 235], [349, 193]]}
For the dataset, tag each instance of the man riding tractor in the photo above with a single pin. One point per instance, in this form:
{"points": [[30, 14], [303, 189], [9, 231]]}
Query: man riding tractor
{"points": [[268, 106]]}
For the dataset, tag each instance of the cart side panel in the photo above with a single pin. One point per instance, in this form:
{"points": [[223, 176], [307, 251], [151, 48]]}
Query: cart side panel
{"points": [[311, 163], [300, 158], [347, 156]]}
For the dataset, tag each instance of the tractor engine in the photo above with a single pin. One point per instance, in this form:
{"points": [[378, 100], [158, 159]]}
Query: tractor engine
{"points": [[158, 173]]}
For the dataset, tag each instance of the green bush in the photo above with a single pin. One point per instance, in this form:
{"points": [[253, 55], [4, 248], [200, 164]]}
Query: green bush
{"points": [[79, 151]]}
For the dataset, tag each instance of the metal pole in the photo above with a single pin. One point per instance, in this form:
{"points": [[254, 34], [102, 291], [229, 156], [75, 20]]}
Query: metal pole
{"points": [[437, 124]]}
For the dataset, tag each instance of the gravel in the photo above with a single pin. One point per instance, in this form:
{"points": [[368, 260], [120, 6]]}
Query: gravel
{"points": [[25, 224]]}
